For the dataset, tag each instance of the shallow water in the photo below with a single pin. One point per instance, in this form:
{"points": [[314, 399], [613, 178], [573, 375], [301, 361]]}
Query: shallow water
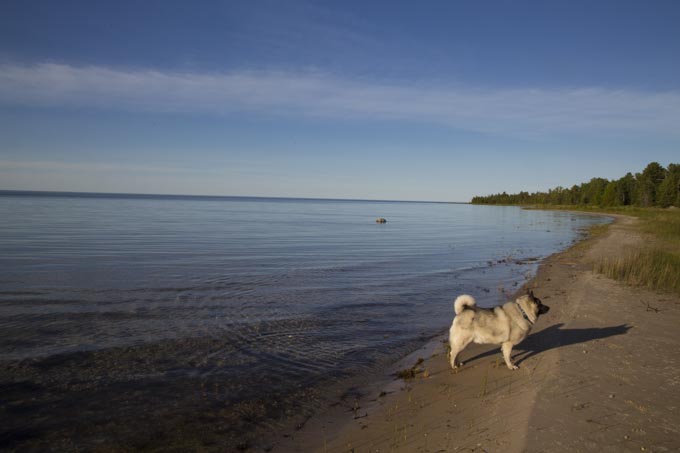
{"points": [[219, 315]]}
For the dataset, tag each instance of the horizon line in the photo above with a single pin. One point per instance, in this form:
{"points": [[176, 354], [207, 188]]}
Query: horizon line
{"points": [[56, 193]]}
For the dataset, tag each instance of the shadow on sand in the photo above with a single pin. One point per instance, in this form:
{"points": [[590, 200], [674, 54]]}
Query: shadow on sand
{"points": [[555, 337]]}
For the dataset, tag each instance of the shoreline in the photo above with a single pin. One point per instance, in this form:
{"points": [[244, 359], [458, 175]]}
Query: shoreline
{"points": [[577, 387], [221, 376]]}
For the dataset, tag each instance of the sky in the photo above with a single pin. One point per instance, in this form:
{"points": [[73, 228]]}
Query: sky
{"points": [[391, 100]]}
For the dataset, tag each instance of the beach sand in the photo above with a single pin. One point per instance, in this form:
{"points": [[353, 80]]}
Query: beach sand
{"points": [[600, 372]]}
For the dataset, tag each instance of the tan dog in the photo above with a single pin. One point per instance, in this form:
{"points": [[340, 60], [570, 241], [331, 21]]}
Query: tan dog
{"points": [[506, 325]]}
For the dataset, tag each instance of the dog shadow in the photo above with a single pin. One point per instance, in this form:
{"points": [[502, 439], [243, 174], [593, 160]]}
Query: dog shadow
{"points": [[555, 337]]}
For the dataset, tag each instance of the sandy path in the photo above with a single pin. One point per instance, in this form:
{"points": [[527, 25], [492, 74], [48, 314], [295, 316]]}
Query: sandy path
{"points": [[600, 372]]}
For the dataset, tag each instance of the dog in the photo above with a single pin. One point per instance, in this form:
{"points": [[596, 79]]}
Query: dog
{"points": [[506, 325]]}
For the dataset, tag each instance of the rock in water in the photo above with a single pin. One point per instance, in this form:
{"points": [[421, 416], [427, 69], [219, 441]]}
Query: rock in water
{"points": [[380, 220]]}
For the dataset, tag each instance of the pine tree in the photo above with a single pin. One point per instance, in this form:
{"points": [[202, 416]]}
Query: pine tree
{"points": [[610, 197], [648, 184]]}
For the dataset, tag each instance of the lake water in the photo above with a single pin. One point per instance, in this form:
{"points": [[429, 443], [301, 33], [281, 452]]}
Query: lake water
{"points": [[208, 319]]}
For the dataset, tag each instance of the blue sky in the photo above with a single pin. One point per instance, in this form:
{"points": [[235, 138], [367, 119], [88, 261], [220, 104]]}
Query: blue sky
{"points": [[376, 100]]}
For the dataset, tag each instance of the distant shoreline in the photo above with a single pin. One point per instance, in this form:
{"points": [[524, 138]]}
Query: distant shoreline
{"points": [[142, 196]]}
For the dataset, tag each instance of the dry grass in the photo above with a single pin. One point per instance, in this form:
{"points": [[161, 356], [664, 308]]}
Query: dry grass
{"points": [[664, 224], [648, 266], [656, 263]]}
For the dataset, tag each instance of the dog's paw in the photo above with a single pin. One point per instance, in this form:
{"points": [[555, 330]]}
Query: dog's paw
{"points": [[513, 367]]}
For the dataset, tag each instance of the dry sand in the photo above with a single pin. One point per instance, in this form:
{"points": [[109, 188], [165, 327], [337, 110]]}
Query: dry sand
{"points": [[600, 372]]}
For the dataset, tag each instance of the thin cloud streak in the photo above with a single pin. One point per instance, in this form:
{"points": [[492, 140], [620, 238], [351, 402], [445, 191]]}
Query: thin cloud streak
{"points": [[88, 167], [231, 169], [516, 112]]}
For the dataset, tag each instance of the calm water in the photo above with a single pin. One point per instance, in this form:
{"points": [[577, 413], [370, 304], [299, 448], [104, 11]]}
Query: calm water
{"points": [[216, 316]]}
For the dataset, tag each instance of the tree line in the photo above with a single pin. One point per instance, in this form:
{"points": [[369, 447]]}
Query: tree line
{"points": [[655, 186]]}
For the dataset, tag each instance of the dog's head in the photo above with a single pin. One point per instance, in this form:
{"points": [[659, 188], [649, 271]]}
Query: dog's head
{"points": [[537, 304], [533, 305]]}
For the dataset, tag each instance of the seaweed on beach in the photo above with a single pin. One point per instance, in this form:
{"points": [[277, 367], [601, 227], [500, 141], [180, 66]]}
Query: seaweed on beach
{"points": [[412, 372]]}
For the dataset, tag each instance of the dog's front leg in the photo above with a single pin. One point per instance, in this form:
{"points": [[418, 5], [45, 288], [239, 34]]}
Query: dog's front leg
{"points": [[507, 349]]}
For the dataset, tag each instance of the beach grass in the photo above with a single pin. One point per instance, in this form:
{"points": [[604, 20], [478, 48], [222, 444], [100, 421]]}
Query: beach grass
{"points": [[656, 263], [648, 266]]}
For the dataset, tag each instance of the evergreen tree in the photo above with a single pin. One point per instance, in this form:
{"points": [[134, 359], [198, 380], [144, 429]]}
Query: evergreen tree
{"points": [[626, 189], [648, 184], [610, 196], [669, 189], [593, 191], [654, 186]]}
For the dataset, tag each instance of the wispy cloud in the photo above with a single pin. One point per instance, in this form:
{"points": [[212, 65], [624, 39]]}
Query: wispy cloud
{"points": [[91, 167], [227, 169], [524, 112]]}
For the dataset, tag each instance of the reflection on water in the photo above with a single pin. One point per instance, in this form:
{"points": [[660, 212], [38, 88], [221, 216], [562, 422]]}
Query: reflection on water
{"points": [[202, 318]]}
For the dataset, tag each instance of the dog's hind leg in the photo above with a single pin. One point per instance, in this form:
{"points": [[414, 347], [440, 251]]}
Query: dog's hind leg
{"points": [[456, 347], [506, 347]]}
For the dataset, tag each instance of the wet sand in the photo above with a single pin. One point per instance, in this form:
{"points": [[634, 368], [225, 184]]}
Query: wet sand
{"points": [[600, 372]]}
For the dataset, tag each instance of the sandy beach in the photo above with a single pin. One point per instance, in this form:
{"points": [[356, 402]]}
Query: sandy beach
{"points": [[600, 372]]}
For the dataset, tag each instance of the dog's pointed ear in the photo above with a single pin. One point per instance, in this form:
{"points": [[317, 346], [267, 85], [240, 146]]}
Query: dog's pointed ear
{"points": [[531, 294]]}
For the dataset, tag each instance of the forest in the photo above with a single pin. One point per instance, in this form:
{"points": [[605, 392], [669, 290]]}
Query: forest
{"points": [[656, 186]]}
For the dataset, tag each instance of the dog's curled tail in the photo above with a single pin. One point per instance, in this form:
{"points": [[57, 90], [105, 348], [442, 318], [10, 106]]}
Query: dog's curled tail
{"points": [[462, 302]]}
